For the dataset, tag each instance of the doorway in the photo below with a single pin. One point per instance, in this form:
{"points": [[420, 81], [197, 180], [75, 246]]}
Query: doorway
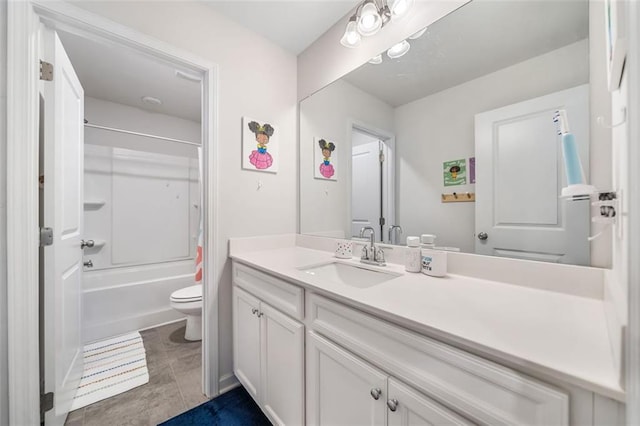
{"points": [[26, 21], [372, 187]]}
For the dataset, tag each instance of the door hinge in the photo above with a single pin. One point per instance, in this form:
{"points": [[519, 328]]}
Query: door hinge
{"points": [[382, 221], [46, 237], [46, 71], [46, 402]]}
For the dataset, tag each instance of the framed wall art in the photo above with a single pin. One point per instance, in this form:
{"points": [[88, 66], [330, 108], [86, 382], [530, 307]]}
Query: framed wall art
{"points": [[259, 145]]}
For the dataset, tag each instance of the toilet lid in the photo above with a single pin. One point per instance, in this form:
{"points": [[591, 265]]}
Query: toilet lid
{"points": [[187, 294]]}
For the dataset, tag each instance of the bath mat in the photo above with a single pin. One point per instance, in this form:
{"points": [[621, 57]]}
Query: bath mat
{"points": [[233, 408], [111, 367]]}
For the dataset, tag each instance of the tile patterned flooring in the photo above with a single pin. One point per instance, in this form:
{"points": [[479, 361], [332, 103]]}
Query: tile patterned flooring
{"points": [[174, 384]]}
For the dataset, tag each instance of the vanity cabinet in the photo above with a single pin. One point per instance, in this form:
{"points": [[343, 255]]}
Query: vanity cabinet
{"points": [[269, 356], [342, 389], [308, 359]]}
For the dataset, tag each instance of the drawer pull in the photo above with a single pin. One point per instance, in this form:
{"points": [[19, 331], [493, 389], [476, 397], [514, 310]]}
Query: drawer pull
{"points": [[392, 404], [375, 393]]}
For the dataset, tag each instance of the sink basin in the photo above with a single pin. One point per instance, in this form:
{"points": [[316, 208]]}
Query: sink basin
{"points": [[347, 274]]}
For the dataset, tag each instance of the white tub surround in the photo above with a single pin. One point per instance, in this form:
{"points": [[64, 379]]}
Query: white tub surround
{"points": [[551, 324]]}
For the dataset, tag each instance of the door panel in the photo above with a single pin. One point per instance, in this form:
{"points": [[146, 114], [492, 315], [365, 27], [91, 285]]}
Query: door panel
{"points": [[415, 409], [63, 212], [246, 341], [339, 387], [366, 191], [520, 175], [283, 367]]}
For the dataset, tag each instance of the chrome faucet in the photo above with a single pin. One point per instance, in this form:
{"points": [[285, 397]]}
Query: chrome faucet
{"points": [[370, 254], [398, 230]]}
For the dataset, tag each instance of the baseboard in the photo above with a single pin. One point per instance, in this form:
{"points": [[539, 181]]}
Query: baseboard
{"points": [[227, 382]]}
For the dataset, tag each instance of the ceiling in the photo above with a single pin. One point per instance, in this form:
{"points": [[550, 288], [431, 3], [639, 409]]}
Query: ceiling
{"points": [[477, 39], [122, 75], [291, 24]]}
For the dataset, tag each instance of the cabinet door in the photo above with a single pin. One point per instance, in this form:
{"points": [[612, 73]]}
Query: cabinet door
{"points": [[246, 340], [282, 367], [340, 387], [406, 407]]}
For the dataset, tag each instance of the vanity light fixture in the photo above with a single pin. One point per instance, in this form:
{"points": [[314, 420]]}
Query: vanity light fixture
{"points": [[370, 20], [399, 8], [151, 100], [351, 37], [370, 17], [376, 60], [399, 49]]}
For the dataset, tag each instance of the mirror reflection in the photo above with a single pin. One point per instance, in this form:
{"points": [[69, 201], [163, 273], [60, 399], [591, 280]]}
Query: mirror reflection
{"points": [[456, 137]]}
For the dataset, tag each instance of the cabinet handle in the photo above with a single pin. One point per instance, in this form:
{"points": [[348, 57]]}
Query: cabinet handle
{"points": [[260, 314], [375, 393], [392, 404], [254, 311]]}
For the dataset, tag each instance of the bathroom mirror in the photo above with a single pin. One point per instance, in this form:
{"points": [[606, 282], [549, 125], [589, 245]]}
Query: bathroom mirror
{"points": [[463, 123]]}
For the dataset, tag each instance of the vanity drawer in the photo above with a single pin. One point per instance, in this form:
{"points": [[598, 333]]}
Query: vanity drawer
{"points": [[481, 390], [287, 298]]}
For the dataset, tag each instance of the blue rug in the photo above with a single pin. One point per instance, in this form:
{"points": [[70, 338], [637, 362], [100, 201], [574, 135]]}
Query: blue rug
{"points": [[234, 408]]}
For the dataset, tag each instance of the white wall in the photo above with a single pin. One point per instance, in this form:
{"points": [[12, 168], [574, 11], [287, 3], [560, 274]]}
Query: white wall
{"points": [[145, 184], [256, 79], [325, 206], [440, 127], [4, 412]]}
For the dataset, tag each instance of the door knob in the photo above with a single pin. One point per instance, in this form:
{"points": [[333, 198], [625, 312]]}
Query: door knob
{"points": [[88, 243], [375, 393], [392, 404], [88, 264], [483, 236]]}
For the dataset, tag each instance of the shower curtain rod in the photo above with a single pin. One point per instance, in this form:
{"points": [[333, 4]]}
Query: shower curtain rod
{"points": [[112, 129]]}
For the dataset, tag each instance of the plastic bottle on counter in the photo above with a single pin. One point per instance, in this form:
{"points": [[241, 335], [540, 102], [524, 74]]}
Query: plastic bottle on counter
{"points": [[428, 241], [413, 255], [434, 262]]}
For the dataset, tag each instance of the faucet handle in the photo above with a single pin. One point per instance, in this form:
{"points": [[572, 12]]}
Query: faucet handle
{"points": [[379, 255], [365, 253]]}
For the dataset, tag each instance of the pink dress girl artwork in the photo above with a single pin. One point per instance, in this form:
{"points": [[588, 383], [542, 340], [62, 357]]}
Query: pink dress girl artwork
{"points": [[326, 168], [259, 157]]}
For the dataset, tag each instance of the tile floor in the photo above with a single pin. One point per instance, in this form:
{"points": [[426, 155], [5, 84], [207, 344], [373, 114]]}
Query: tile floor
{"points": [[174, 384]]}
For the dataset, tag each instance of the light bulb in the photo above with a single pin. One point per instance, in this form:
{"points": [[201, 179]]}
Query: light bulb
{"points": [[398, 50], [370, 21], [351, 38], [400, 8], [376, 60]]}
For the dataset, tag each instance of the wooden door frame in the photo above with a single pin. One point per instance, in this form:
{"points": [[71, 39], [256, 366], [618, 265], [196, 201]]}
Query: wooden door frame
{"points": [[23, 53]]}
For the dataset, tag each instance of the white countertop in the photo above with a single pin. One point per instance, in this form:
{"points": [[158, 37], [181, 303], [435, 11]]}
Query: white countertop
{"points": [[543, 332]]}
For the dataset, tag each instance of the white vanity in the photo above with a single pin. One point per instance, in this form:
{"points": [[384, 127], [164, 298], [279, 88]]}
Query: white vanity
{"points": [[314, 346]]}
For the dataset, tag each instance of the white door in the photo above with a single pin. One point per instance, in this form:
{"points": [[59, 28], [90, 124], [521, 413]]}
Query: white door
{"points": [[406, 407], [341, 388], [246, 341], [519, 177], [282, 367], [366, 189], [63, 212]]}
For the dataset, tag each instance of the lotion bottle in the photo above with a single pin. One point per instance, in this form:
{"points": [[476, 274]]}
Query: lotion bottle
{"points": [[413, 256]]}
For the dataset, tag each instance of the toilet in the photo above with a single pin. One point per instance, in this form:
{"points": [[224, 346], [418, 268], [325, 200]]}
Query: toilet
{"points": [[188, 300]]}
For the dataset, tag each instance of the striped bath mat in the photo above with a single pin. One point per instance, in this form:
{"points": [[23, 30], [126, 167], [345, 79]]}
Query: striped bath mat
{"points": [[111, 367]]}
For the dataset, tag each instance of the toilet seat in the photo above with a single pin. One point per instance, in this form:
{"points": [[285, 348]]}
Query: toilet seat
{"points": [[187, 294]]}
